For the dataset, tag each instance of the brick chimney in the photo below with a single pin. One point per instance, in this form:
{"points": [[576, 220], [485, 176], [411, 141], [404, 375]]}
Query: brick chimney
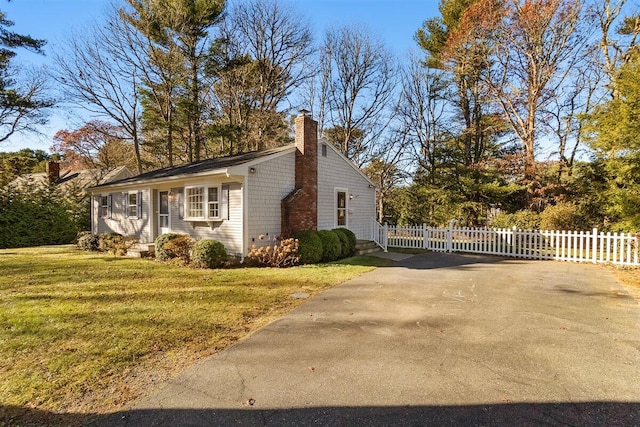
{"points": [[53, 172], [300, 207]]}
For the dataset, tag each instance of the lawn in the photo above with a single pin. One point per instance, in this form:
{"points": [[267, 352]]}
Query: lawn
{"points": [[83, 332], [629, 276]]}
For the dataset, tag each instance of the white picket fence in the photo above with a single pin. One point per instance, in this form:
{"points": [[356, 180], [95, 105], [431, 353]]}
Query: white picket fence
{"points": [[577, 246]]}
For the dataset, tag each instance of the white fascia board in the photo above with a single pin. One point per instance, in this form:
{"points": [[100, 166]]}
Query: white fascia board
{"points": [[169, 179]]}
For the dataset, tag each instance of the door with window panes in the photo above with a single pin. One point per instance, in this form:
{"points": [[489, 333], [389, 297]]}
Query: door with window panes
{"points": [[163, 212], [341, 208]]}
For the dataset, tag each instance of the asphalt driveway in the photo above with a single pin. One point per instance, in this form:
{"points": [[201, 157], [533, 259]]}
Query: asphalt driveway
{"points": [[439, 339]]}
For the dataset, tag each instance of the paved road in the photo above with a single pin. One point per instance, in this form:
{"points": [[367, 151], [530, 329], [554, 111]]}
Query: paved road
{"points": [[439, 339]]}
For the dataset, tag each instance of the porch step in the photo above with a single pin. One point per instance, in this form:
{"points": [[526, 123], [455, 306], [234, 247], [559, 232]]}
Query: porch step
{"points": [[364, 247], [141, 250]]}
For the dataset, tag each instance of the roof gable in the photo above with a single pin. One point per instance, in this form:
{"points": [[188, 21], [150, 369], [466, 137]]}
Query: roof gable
{"points": [[324, 140]]}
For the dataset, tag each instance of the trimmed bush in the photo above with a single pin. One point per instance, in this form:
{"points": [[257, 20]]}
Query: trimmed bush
{"points": [[88, 241], [208, 254], [309, 247], [331, 247], [350, 241], [179, 248], [161, 254], [344, 242]]}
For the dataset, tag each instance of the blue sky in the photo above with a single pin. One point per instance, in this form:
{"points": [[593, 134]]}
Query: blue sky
{"points": [[392, 21]]}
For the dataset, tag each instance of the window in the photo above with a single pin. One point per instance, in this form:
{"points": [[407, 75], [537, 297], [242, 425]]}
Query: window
{"points": [[202, 203], [132, 204], [214, 202], [104, 206], [195, 202], [324, 150]]}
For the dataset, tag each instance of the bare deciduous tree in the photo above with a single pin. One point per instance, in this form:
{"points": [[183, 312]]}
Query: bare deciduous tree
{"points": [[615, 47], [99, 74], [536, 44], [23, 109], [268, 45], [358, 78]]}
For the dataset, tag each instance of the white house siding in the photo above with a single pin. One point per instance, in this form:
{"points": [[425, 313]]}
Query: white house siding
{"points": [[118, 221], [336, 172], [271, 182], [228, 231]]}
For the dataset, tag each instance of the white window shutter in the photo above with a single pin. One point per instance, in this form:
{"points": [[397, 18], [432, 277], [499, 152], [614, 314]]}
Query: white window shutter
{"points": [[224, 202]]}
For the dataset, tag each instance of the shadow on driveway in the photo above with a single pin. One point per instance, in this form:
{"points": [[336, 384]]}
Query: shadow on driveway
{"points": [[512, 414]]}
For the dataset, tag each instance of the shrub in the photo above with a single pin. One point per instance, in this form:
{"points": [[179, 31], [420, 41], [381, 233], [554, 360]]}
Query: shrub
{"points": [[178, 248], [349, 241], [208, 254], [352, 240], [344, 242], [115, 243], [309, 247], [282, 254], [562, 216], [331, 247], [161, 254], [524, 220], [88, 241], [34, 215]]}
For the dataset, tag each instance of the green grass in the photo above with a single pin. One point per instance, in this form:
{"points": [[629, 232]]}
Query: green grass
{"points": [[89, 332]]}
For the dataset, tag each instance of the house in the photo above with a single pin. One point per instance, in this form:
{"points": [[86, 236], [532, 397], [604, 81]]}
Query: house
{"points": [[71, 180], [241, 200]]}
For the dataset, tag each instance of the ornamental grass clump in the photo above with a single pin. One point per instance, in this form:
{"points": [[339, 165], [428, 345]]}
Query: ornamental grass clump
{"points": [[88, 241], [115, 243], [179, 249], [208, 254], [284, 253], [161, 253]]}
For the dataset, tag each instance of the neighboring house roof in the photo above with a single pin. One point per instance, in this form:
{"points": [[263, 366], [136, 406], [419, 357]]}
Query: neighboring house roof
{"points": [[208, 165], [79, 179]]}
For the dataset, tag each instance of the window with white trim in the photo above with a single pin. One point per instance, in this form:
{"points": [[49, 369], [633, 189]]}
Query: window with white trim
{"points": [[104, 206], [131, 204], [213, 201], [202, 203]]}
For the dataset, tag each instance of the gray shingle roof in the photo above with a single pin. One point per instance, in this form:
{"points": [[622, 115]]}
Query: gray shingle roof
{"points": [[197, 167]]}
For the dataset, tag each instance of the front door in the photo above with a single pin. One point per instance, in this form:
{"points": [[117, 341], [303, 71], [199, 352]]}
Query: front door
{"points": [[163, 212], [341, 208]]}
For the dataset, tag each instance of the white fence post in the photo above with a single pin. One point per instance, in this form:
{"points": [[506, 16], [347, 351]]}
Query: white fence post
{"points": [[385, 236], [594, 246], [424, 235]]}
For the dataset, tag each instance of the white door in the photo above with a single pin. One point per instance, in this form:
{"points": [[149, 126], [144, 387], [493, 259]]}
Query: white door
{"points": [[163, 212], [341, 208]]}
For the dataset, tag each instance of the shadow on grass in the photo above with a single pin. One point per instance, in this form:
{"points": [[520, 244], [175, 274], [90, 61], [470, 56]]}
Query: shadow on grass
{"points": [[508, 414]]}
